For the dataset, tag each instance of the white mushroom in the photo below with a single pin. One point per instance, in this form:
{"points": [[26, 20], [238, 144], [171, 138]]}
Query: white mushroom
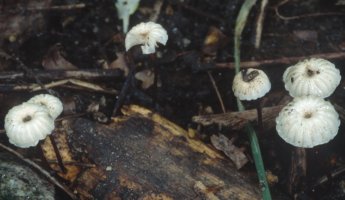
{"points": [[28, 123], [307, 121], [146, 34], [314, 76], [53, 104], [250, 84]]}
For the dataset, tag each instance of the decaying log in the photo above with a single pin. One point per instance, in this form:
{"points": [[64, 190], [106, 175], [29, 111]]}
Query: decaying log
{"points": [[144, 156], [236, 120]]}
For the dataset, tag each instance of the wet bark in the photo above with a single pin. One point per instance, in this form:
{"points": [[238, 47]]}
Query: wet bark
{"points": [[145, 156]]}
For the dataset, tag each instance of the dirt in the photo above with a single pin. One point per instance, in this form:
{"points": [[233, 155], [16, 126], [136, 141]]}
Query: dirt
{"points": [[91, 36]]}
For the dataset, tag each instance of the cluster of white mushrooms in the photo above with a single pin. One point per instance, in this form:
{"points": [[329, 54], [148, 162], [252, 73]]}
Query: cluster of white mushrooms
{"points": [[308, 120], [31, 121]]}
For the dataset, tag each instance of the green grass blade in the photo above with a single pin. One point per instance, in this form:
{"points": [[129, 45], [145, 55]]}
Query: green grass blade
{"points": [[240, 23]]}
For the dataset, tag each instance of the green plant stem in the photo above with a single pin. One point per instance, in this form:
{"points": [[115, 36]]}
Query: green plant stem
{"points": [[240, 23]]}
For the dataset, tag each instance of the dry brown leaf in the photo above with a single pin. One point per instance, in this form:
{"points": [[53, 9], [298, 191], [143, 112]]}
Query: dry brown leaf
{"points": [[225, 145], [120, 63], [214, 40], [147, 77], [54, 59]]}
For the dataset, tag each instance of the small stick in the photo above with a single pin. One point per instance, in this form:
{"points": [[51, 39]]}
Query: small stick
{"points": [[61, 7], [84, 74], [217, 91], [40, 169], [281, 60], [57, 153], [332, 175], [276, 10]]}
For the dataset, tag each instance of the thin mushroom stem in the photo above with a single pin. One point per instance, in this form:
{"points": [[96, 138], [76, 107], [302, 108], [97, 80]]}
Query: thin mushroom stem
{"points": [[156, 72], [259, 113], [298, 170], [126, 85], [57, 153]]}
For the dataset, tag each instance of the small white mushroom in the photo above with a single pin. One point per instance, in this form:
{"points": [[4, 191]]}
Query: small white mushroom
{"points": [[314, 76], [147, 35], [28, 123], [250, 84], [307, 121], [52, 103]]}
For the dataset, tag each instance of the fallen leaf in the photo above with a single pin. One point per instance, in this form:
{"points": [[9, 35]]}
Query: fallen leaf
{"points": [[147, 77], [120, 63], [54, 59], [225, 145], [214, 40]]}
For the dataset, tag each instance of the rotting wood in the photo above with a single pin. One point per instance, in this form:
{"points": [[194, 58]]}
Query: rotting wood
{"points": [[238, 119], [145, 156]]}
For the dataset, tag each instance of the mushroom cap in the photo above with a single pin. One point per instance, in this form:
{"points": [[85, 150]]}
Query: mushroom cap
{"points": [[307, 121], [315, 76], [53, 104], [146, 34], [28, 123], [250, 84]]}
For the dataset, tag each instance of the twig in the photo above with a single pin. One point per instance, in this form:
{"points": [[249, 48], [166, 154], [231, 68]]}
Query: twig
{"points": [[217, 91], [57, 154], [259, 23], [29, 71], [326, 178], [36, 87], [276, 10], [282, 60], [40, 169], [85, 74], [61, 7], [238, 119]]}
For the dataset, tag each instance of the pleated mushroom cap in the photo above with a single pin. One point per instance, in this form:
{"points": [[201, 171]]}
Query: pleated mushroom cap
{"points": [[314, 76], [52, 103], [250, 84], [147, 35], [307, 121], [27, 124]]}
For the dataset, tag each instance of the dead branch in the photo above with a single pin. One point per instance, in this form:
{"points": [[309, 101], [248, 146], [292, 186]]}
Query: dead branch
{"points": [[238, 119], [282, 60], [217, 91], [61, 7], [84, 74]]}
